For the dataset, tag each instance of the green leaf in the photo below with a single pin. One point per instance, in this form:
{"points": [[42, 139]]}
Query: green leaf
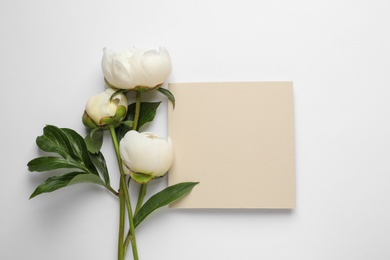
{"points": [[69, 145], [100, 163], [163, 198], [55, 141], [146, 114], [79, 148], [58, 182], [73, 154], [49, 163], [94, 140], [168, 94]]}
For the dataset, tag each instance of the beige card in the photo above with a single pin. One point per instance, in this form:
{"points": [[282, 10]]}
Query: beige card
{"points": [[237, 140]]}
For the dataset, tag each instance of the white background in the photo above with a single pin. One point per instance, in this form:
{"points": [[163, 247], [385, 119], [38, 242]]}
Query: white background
{"points": [[336, 53]]}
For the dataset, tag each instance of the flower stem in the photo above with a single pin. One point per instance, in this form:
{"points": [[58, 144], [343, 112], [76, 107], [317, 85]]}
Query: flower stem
{"points": [[121, 252], [124, 199], [141, 197], [112, 190], [131, 233], [135, 124], [137, 109]]}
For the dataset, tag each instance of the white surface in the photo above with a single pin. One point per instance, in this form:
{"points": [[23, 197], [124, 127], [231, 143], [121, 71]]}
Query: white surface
{"points": [[337, 54]]}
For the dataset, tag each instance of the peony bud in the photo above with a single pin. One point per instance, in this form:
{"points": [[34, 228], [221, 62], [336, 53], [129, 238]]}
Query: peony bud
{"points": [[145, 154], [136, 68], [105, 109]]}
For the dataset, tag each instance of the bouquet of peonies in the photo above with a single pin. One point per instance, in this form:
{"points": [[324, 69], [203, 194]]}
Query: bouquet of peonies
{"points": [[141, 156]]}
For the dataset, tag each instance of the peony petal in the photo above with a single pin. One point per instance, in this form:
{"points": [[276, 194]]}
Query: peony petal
{"points": [[156, 66], [100, 105], [116, 68], [136, 67], [107, 64], [146, 153], [166, 158], [121, 76]]}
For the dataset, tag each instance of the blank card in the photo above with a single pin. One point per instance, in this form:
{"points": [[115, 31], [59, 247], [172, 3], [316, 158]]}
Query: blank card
{"points": [[237, 140]]}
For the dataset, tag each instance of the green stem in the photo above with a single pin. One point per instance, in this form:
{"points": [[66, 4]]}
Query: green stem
{"points": [[112, 190], [124, 198], [141, 197], [131, 234], [135, 124], [127, 241], [137, 109], [121, 251]]}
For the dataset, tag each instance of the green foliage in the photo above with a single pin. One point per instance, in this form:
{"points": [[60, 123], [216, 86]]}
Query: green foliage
{"points": [[163, 198], [94, 140], [146, 114], [168, 94], [57, 182], [100, 163], [73, 154], [49, 163]]}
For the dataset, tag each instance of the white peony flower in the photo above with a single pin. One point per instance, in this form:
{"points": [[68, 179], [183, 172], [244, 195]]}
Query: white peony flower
{"points": [[104, 109], [146, 153], [136, 68]]}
